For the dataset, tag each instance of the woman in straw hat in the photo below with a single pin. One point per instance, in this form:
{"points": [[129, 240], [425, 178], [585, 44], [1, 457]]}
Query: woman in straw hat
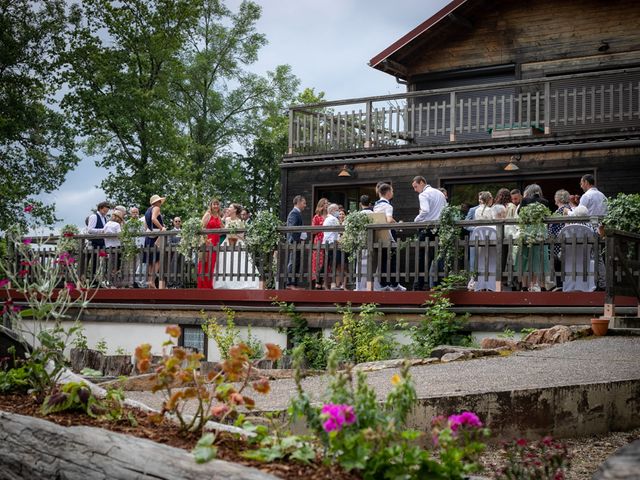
{"points": [[153, 221]]}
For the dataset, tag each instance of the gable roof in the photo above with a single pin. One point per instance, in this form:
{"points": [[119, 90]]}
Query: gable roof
{"points": [[377, 61]]}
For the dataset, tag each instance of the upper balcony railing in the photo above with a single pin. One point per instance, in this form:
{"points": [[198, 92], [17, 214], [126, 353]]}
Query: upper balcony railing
{"points": [[568, 104]]}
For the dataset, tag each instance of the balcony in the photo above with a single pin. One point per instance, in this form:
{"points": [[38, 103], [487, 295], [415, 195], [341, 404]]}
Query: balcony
{"points": [[569, 105]]}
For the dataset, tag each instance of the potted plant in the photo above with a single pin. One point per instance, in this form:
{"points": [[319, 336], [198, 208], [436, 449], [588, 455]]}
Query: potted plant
{"points": [[600, 326]]}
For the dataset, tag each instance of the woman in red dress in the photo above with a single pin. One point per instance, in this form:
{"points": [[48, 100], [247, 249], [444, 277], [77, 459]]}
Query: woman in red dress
{"points": [[210, 220], [317, 257]]}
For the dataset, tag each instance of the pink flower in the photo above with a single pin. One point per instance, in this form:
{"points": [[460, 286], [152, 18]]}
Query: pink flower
{"points": [[67, 234], [27, 241], [23, 273], [4, 282], [464, 419], [336, 416], [65, 259], [28, 208], [547, 441], [521, 442], [70, 286]]}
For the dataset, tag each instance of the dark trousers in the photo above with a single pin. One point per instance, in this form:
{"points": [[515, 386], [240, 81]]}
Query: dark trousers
{"points": [[293, 266], [391, 280], [425, 235]]}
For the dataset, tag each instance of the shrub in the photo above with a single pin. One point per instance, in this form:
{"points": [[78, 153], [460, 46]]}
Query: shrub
{"points": [[623, 213], [439, 324], [227, 336], [360, 434], [178, 378], [365, 337], [545, 459]]}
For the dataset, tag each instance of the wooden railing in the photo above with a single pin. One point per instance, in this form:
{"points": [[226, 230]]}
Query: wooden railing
{"points": [[564, 104], [573, 260], [622, 268]]}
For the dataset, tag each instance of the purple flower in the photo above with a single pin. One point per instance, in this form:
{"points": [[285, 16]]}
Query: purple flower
{"points": [[464, 419], [28, 208], [4, 282], [336, 416], [27, 241]]}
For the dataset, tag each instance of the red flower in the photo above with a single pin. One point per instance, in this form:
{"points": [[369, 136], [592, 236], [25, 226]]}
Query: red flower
{"points": [[67, 234], [521, 442], [4, 282], [103, 254], [70, 286], [28, 208], [23, 273]]}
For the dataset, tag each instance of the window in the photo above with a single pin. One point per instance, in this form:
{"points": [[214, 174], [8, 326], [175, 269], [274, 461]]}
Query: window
{"points": [[193, 337]]}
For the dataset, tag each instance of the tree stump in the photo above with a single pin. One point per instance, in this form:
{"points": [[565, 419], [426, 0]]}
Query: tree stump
{"points": [[34, 449], [117, 365], [85, 358]]}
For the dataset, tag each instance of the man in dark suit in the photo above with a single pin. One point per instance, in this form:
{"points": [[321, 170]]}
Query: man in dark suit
{"points": [[294, 219]]}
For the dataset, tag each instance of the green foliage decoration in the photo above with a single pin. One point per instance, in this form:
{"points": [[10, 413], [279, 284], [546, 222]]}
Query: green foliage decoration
{"points": [[261, 239], [129, 237], [66, 241], [190, 237], [448, 234], [354, 238], [531, 223], [623, 213]]}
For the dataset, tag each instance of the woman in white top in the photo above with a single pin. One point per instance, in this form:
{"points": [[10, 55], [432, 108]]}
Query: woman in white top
{"points": [[114, 226], [333, 253], [484, 212]]}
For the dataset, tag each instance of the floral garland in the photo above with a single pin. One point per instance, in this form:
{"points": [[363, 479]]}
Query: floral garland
{"points": [[261, 237], [190, 237], [354, 237], [66, 242], [128, 237], [531, 222], [624, 213]]}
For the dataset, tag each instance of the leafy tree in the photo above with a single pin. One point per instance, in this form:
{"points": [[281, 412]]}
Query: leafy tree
{"points": [[122, 57], [37, 146], [221, 103]]}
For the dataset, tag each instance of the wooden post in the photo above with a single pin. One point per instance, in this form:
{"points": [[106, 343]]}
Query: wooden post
{"points": [[547, 108], [290, 149], [499, 245], [452, 108], [367, 131]]}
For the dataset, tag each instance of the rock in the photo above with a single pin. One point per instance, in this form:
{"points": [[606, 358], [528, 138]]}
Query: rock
{"points": [[557, 334], [453, 356], [624, 464], [396, 363], [470, 352], [500, 343]]}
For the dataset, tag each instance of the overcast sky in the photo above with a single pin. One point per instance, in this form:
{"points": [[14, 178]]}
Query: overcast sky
{"points": [[327, 43]]}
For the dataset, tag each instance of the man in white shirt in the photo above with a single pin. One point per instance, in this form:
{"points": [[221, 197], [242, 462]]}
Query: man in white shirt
{"points": [[432, 202], [140, 280], [333, 253], [593, 199], [383, 205]]}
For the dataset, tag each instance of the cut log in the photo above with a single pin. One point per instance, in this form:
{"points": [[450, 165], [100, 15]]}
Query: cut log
{"points": [[33, 449], [85, 358], [116, 365]]}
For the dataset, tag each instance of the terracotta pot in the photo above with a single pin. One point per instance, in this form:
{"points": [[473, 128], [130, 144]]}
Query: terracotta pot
{"points": [[600, 326]]}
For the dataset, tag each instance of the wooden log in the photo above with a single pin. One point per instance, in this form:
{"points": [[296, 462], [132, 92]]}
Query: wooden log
{"points": [[117, 365], [32, 448], [85, 358]]}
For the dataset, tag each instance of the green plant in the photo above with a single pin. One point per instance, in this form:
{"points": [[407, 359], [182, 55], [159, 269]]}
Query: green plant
{"points": [[121, 351], [273, 443], [80, 340], [365, 337], [507, 333], [448, 234], [623, 213], [439, 324], [190, 237], [14, 379], [261, 239], [360, 433], [354, 237], [78, 396], [531, 223], [101, 346], [90, 372], [178, 378], [315, 346], [129, 236], [541, 460], [526, 331], [228, 335]]}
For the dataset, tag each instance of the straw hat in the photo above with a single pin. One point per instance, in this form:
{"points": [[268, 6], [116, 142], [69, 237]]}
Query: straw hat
{"points": [[118, 213], [156, 198]]}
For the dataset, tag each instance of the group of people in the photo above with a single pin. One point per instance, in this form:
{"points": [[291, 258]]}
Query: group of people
{"points": [[148, 266], [507, 204]]}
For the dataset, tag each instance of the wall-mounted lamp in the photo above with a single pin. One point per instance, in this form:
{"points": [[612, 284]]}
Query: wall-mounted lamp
{"points": [[346, 171], [512, 166], [604, 46]]}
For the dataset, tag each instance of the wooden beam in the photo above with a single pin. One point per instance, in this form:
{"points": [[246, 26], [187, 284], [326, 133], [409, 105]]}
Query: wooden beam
{"points": [[460, 21]]}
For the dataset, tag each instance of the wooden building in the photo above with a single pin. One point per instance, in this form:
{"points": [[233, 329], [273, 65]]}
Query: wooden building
{"points": [[499, 93]]}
